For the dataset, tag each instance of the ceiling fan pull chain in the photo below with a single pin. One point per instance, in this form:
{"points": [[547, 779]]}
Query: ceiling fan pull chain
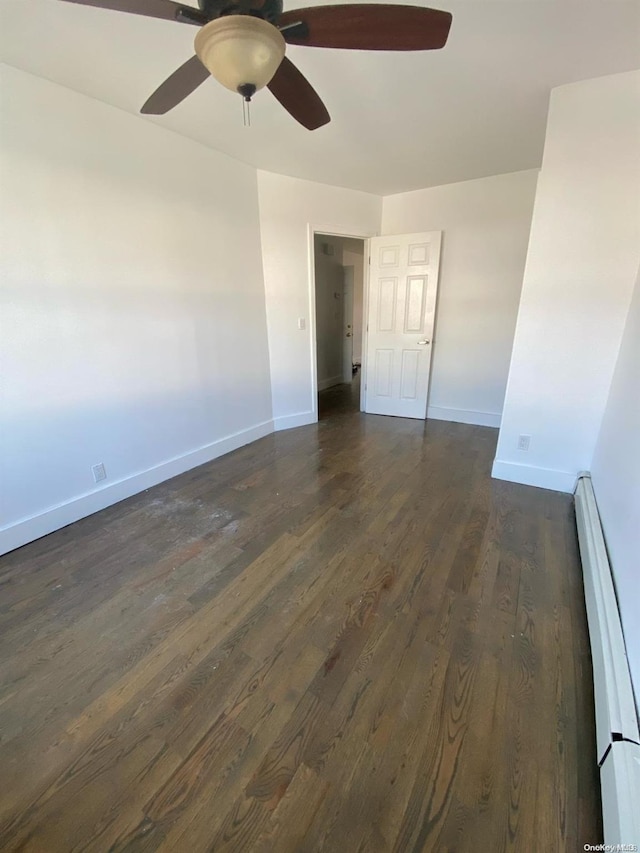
{"points": [[246, 112], [247, 90]]}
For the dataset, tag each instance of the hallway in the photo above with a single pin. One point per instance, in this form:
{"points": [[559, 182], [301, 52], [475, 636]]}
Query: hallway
{"points": [[340, 399]]}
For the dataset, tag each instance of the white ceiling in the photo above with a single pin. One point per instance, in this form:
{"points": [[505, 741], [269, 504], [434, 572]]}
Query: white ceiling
{"points": [[400, 121]]}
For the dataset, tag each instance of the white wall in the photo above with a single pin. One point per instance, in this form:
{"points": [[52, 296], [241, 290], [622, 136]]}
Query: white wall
{"points": [[581, 265], [615, 473], [486, 226], [133, 315], [329, 281], [289, 210]]}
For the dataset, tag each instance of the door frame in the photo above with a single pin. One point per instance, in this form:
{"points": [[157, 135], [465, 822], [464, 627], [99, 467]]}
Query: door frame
{"points": [[332, 231]]}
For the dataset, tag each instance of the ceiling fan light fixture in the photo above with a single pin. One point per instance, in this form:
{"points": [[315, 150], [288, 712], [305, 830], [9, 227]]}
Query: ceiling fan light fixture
{"points": [[240, 51]]}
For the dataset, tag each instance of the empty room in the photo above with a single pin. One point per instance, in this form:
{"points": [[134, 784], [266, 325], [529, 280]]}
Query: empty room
{"points": [[319, 426]]}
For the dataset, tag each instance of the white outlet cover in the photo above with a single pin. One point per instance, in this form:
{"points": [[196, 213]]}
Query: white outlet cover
{"points": [[99, 472], [523, 442]]}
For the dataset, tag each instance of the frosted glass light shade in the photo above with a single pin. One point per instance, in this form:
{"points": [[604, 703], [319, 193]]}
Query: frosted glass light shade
{"points": [[240, 50]]}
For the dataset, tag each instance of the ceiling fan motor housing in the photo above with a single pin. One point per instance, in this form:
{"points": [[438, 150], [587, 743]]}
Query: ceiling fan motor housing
{"points": [[269, 10]]}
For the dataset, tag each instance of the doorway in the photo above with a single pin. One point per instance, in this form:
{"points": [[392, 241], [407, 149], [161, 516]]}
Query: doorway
{"points": [[339, 272]]}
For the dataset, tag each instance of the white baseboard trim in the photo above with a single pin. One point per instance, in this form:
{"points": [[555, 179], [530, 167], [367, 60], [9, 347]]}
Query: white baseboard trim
{"points": [[323, 384], [464, 416], [292, 421], [530, 475], [28, 529]]}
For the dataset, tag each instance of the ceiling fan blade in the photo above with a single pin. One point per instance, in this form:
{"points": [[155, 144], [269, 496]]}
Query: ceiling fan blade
{"points": [[298, 97], [166, 9], [175, 88], [368, 26]]}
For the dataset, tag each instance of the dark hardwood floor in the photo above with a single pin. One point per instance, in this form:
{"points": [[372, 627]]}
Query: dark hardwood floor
{"points": [[344, 637]]}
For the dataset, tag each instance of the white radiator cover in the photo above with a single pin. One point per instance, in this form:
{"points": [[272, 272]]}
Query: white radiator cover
{"points": [[620, 785], [617, 733]]}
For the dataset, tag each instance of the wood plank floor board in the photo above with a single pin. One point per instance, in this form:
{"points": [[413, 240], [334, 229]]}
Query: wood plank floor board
{"points": [[342, 638], [386, 715], [65, 651]]}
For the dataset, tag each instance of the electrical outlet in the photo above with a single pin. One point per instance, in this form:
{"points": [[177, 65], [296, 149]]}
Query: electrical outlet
{"points": [[98, 472], [524, 442], [302, 323]]}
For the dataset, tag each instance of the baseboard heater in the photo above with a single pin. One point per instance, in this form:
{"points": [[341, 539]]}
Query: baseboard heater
{"points": [[617, 736]]}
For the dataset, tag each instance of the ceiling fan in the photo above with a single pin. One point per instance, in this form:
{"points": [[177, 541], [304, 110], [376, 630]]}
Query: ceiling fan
{"points": [[242, 44]]}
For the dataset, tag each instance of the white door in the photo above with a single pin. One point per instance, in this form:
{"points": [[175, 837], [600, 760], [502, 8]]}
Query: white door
{"points": [[403, 282], [347, 325]]}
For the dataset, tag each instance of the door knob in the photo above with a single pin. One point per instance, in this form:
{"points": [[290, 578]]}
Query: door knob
{"points": [[422, 343]]}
